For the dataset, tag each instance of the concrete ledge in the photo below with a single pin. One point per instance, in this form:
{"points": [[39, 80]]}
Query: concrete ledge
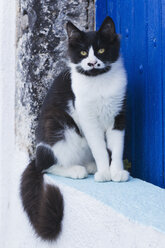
{"points": [[111, 214]]}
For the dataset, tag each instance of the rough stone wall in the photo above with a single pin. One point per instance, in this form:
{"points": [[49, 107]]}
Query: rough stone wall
{"points": [[41, 55]]}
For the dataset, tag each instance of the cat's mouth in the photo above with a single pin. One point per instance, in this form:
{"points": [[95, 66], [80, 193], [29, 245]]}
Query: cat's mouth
{"points": [[93, 71]]}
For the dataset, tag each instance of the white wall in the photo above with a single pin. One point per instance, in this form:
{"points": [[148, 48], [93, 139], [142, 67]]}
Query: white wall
{"points": [[7, 100]]}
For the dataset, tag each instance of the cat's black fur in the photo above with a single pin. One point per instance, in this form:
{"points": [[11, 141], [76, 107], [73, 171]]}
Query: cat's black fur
{"points": [[44, 203], [54, 117], [120, 119]]}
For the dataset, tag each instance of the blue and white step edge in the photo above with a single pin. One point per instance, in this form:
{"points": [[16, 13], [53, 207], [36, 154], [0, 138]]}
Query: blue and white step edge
{"points": [[111, 215]]}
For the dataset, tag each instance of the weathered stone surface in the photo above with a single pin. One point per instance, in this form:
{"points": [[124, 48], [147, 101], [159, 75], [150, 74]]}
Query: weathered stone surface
{"points": [[41, 55]]}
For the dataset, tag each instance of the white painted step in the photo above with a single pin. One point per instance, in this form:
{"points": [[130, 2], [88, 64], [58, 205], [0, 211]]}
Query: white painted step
{"points": [[103, 215], [96, 215]]}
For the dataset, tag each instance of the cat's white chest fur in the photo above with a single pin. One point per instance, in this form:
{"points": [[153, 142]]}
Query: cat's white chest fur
{"points": [[105, 111], [99, 98]]}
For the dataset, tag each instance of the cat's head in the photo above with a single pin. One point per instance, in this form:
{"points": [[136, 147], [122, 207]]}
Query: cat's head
{"points": [[92, 53]]}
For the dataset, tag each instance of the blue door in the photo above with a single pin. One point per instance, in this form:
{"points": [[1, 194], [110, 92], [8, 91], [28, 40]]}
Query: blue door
{"points": [[142, 28]]}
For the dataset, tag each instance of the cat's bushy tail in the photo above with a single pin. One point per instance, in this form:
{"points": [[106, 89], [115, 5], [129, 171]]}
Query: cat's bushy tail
{"points": [[42, 202]]}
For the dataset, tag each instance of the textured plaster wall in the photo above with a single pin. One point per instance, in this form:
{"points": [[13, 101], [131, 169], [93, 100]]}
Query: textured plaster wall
{"points": [[41, 55]]}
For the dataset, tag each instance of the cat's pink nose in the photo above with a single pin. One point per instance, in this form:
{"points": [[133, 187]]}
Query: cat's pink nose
{"points": [[92, 63]]}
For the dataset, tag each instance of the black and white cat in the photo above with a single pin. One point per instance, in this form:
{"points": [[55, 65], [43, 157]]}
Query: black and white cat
{"points": [[81, 126]]}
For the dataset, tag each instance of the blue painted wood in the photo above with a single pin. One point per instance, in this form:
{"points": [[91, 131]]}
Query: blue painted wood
{"points": [[163, 80], [139, 91], [142, 28], [154, 94], [100, 12]]}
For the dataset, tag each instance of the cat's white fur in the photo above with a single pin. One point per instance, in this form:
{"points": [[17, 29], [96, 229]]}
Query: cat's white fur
{"points": [[97, 101]]}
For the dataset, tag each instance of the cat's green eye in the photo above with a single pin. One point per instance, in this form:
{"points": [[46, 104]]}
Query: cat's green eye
{"points": [[83, 53], [101, 50]]}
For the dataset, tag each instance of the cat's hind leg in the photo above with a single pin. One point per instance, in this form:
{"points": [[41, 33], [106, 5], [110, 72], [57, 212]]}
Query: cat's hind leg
{"points": [[47, 161], [72, 155], [74, 171]]}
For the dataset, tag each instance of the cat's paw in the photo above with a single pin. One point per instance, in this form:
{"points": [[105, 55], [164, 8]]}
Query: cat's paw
{"points": [[103, 176], [78, 172], [91, 168], [119, 175]]}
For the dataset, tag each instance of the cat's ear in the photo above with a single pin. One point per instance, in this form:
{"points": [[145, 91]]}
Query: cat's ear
{"points": [[73, 32], [107, 28]]}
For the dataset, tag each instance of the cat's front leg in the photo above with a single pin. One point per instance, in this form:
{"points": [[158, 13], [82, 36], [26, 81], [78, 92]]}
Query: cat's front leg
{"points": [[115, 143], [95, 138]]}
